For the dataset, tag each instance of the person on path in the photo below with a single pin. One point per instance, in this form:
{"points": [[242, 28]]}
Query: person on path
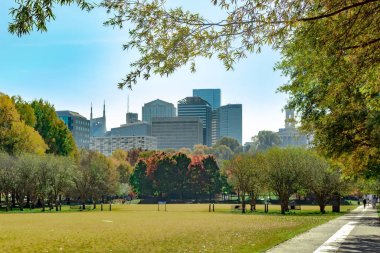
{"points": [[374, 200], [364, 202]]}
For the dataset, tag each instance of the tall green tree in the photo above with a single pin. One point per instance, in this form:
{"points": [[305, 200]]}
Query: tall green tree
{"points": [[286, 172], [335, 87], [53, 130], [15, 136], [232, 143], [265, 140]]}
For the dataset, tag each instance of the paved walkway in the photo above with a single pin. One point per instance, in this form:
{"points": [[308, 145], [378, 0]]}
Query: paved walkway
{"points": [[357, 231]]}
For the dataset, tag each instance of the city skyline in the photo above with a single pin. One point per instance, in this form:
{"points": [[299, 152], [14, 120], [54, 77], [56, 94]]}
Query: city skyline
{"points": [[79, 62]]}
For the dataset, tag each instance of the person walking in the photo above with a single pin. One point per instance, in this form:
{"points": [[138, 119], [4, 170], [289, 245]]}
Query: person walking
{"points": [[373, 201], [364, 202]]}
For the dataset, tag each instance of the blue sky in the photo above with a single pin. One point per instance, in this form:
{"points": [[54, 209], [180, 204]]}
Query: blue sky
{"points": [[79, 62]]}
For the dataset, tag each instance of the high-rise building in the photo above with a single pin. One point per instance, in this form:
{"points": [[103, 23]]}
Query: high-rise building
{"points": [[229, 118], [197, 107], [177, 132], [107, 145], [98, 125], [289, 135], [212, 96], [132, 117], [79, 127], [157, 108]]}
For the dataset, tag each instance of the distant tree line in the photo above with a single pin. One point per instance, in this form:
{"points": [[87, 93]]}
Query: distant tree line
{"points": [[177, 176], [29, 181]]}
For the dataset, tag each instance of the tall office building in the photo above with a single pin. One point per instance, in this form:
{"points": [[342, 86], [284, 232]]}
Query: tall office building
{"points": [[132, 117], [289, 135], [157, 108], [229, 118], [98, 125], [177, 132], [79, 127], [212, 96], [197, 107]]}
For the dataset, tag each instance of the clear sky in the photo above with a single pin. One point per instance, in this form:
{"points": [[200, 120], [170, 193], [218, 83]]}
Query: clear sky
{"points": [[79, 62]]}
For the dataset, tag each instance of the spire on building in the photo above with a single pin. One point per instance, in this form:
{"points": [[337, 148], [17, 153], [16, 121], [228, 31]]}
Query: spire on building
{"points": [[104, 109], [91, 111]]}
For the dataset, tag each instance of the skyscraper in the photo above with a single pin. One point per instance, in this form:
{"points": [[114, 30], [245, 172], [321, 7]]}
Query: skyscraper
{"points": [[98, 125], [177, 132], [78, 125], [132, 117], [212, 96], [197, 107], [157, 108], [229, 118]]}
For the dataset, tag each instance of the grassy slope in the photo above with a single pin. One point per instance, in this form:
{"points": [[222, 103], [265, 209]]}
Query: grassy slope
{"points": [[140, 228]]}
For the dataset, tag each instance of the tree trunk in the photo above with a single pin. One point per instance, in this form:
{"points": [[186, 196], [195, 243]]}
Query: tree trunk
{"points": [[94, 202], [43, 204], [322, 208], [13, 199], [253, 202], [83, 205], [284, 205], [243, 202], [6, 202]]}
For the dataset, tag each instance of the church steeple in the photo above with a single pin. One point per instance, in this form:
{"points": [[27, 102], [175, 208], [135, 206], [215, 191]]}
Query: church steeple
{"points": [[104, 109]]}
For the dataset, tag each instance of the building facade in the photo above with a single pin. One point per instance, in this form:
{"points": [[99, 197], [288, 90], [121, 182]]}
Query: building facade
{"points": [[157, 108], [134, 129], [177, 132], [98, 126], [107, 145], [79, 127], [212, 96], [131, 117], [197, 107], [289, 135], [229, 122]]}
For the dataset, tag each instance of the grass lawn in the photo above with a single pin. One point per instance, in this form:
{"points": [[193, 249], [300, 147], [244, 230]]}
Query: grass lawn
{"points": [[141, 228]]}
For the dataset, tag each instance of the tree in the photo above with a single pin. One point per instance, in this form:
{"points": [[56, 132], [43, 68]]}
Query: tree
{"points": [[25, 179], [139, 180], [7, 177], [15, 136], [265, 140], [239, 172], [212, 176], [286, 172], [324, 180], [232, 143], [181, 167], [336, 90], [61, 180], [95, 177], [179, 36], [53, 130], [25, 111], [34, 14]]}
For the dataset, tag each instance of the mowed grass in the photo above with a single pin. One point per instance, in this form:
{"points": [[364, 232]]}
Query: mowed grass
{"points": [[141, 228]]}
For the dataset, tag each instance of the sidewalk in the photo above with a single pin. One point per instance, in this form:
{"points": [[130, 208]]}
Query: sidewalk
{"points": [[357, 231]]}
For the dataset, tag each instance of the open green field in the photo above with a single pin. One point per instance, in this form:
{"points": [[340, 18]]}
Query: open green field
{"points": [[141, 228]]}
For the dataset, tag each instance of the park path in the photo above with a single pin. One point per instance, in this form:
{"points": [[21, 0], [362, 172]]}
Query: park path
{"points": [[357, 231]]}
